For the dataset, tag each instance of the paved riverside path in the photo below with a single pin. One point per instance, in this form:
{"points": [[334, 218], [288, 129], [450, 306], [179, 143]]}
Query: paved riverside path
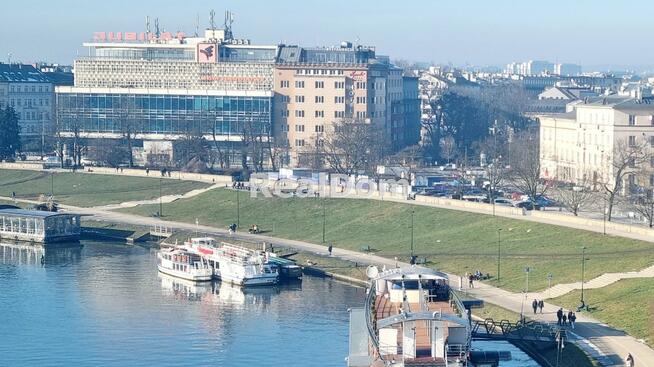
{"points": [[607, 345], [599, 282]]}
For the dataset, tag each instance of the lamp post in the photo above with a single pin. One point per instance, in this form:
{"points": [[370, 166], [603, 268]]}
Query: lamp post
{"points": [[527, 270], [412, 213], [160, 201], [583, 270], [499, 251], [324, 217], [238, 209], [52, 184]]}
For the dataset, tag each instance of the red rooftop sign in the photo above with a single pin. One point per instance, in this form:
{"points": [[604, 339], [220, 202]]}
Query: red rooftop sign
{"points": [[135, 36]]}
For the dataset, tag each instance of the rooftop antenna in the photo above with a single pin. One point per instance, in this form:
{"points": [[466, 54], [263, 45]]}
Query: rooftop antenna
{"points": [[212, 22], [9, 58], [197, 25], [156, 27], [147, 24], [229, 20]]}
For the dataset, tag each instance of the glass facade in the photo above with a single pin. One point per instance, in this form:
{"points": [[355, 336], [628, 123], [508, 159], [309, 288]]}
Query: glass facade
{"points": [[163, 114], [146, 53]]}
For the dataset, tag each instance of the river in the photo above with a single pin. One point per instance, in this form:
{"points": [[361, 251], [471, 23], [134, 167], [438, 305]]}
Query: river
{"points": [[104, 303]]}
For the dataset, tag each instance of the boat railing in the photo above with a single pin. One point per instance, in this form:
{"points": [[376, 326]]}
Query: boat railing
{"points": [[370, 317]]}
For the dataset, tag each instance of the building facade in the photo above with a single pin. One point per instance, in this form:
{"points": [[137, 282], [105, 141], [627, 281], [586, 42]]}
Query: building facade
{"points": [[31, 94], [318, 87], [165, 88], [582, 145]]}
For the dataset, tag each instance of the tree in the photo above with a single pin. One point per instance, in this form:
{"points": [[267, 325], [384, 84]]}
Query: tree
{"points": [[448, 148], [108, 151], [525, 166], [627, 156], [191, 152], [10, 137], [352, 146], [643, 204], [129, 124], [573, 198], [255, 138]]}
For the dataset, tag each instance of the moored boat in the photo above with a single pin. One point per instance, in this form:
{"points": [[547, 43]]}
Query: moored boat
{"points": [[183, 264], [235, 264], [411, 318]]}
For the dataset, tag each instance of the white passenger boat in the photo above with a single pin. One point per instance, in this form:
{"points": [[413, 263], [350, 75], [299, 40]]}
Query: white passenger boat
{"points": [[235, 264], [184, 264]]}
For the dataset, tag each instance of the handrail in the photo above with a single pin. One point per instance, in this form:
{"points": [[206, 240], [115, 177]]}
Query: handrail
{"points": [[370, 299]]}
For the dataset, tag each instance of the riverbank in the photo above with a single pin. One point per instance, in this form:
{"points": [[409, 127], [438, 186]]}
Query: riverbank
{"points": [[327, 266]]}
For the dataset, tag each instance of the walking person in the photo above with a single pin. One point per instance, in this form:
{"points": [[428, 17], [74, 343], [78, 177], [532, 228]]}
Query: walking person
{"points": [[534, 305], [559, 316], [630, 360], [330, 248], [471, 278], [565, 319], [572, 317], [541, 304]]}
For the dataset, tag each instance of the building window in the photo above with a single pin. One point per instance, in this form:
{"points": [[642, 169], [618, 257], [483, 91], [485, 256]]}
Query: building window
{"points": [[339, 114], [285, 113], [299, 113], [632, 120], [299, 84], [361, 85], [284, 127], [284, 84], [632, 140], [299, 142], [299, 128], [299, 99], [285, 99], [339, 85], [320, 99], [361, 99], [320, 84], [320, 113], [361, 114], [339, 99], [320, 128]]}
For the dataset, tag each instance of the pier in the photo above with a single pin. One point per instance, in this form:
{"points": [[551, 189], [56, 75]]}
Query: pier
{"points": [[38, 226]]}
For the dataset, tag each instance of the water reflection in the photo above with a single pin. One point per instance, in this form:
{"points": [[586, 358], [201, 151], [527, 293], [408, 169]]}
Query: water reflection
{"points": [[105, 304]]}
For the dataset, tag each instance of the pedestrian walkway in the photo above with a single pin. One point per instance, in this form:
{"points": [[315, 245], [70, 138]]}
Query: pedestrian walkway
{"points": [[599, 282], [163, 199]]}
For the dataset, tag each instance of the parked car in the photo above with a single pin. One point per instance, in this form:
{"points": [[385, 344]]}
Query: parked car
{"points": [[526, 204], [503, 201]]}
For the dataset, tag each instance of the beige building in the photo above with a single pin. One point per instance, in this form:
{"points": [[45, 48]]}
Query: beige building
{"points": [[585, 141]]}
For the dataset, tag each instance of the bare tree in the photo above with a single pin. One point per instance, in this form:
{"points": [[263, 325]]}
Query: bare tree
{"points": [[573, 198], [255, 144], [352, 146], [525, 166], [129, 124], [448, 148], [627, 156]]}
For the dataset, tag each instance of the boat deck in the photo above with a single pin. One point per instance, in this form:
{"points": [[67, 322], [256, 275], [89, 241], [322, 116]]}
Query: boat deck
{"points": [[385, 308]]}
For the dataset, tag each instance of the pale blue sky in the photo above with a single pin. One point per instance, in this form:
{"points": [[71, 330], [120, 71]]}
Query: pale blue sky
{"points": [[459, 31]]}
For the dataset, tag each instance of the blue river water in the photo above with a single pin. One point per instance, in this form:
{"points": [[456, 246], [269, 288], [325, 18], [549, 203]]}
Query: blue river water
{"points": [[105, 304]]}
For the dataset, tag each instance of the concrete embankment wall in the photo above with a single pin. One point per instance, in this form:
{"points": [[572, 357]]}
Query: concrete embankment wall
{"points": [[134, 172]]}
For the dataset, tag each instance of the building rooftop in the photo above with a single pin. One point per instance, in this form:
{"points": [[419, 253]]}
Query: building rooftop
{"points": [[19, 73], [31, 213]]}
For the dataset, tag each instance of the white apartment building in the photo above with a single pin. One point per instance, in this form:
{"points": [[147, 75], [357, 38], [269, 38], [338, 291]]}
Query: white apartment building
{"points": [[31, 94], [585, 141]]}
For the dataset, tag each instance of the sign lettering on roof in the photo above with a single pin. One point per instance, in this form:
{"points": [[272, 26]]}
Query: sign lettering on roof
{"points": [[136, 36]]}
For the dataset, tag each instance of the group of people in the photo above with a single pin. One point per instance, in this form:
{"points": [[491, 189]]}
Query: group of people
{"points": [[238, 185], [538, 305], [477, 275], [564, 319]]}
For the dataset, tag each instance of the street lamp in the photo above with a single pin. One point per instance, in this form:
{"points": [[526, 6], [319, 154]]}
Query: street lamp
{"points": [[527, 270], [238, 209], [583, 270], [52, 184], [412, 256], [324, 217], [160, 201], [499, 251]]}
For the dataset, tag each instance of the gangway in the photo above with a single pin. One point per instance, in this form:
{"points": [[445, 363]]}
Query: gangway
{"points": [[489, 329]]}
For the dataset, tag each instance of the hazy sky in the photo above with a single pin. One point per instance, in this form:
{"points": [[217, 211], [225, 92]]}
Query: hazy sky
{"points": [[478, 32]]}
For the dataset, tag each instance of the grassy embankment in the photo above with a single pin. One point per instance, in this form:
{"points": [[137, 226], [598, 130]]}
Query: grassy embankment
{"points": [[453, 241], [86, 190]]}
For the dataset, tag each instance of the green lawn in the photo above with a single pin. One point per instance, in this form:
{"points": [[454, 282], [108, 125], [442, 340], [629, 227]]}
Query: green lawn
{"points": [[627, 305], [453, 241], [83, 189]]}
